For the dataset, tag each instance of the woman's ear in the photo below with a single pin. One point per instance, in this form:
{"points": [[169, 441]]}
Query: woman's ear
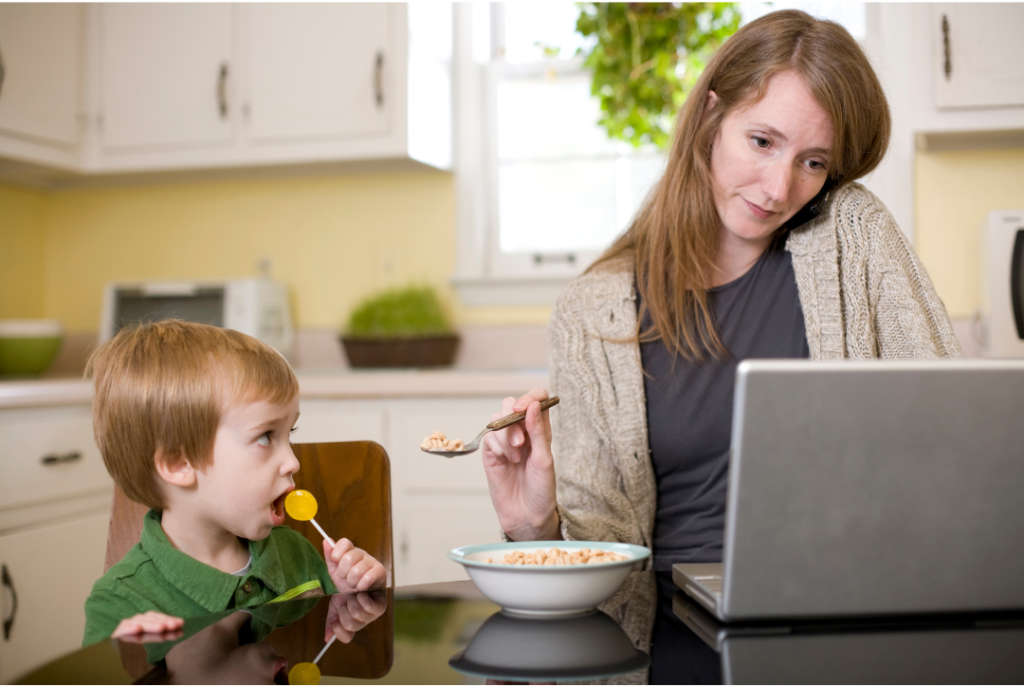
{"points": [[709, 103], [175, 470]]}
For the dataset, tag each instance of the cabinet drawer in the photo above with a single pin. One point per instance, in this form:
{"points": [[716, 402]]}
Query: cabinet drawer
{"points": [[48, 454]]}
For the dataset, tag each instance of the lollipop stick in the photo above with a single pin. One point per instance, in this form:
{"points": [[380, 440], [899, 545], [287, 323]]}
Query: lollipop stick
{"points": [[317, 659], [322, 532]]}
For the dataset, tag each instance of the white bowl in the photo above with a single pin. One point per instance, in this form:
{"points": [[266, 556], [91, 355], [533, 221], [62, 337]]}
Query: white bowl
{"points": [[552, 590]]}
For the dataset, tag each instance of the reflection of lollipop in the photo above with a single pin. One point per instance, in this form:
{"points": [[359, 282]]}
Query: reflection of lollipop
{"points": [[304, 673], [308, 672], [301, 505]]}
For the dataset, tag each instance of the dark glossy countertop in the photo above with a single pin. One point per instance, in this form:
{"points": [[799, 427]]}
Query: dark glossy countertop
{"points": [[449, 634]]}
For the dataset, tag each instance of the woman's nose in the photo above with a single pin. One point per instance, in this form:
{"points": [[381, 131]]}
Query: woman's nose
{"points": [[777, 180]]}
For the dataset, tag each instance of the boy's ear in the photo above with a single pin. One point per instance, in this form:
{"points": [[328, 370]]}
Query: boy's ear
{"points": [[174, 469]]}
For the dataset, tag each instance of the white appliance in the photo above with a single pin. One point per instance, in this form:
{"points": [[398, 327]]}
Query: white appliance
{"points": [[1002, 297], [258, 307]]}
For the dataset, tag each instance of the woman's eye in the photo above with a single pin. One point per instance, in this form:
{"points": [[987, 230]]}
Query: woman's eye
{"points": [[760, 142], [264, 440], [816, 165]]}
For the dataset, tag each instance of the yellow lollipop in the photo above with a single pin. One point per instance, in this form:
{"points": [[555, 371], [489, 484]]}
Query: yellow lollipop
{"points": [[304, 673], [301, 505]]}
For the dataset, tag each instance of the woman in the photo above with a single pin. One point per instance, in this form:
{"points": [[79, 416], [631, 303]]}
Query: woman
{"points": [[755, 243]]}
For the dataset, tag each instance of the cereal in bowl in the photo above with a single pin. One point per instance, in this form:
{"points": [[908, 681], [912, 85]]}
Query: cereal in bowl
{"points": [[438, 441], [557, 556]]}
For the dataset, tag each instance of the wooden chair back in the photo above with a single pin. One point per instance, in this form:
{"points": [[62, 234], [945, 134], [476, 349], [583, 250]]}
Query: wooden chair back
{"points": [[352, 485]]}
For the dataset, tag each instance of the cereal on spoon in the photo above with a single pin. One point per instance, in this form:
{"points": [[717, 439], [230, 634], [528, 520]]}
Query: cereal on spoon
{"points": [[438, 441]]}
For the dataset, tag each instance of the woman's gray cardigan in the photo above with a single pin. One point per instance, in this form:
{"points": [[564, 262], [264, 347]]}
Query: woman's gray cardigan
{"points": [[863, 292]]}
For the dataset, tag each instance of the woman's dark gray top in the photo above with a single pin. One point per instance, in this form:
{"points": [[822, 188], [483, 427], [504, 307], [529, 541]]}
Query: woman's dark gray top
{"points": [[689, 406]]}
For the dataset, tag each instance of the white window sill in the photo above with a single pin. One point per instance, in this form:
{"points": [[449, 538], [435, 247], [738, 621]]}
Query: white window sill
{"points": [[478, 292]]}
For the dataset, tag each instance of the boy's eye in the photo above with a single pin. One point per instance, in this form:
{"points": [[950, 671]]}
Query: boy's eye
{"points": [[264, 440]]}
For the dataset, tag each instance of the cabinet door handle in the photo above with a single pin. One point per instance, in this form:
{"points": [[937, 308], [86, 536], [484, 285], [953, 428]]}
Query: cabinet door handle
{"points": [[1017, 283], [8, 583], [948, 65], [222, 90], [60, 459], [3, 72], [378, 78]]}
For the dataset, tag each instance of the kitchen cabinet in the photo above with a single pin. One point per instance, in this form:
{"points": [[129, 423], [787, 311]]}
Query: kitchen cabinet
{"points": [[40, 81], [48, 454], [437, 503], [48, 573], [186, 88], [317, 70], [978, 55], [54, 515], [330, 421], [164, 75], [906, 45]]}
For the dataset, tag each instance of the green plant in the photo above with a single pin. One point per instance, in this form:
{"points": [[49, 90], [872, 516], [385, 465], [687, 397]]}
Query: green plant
{"points": [[423, 620], [646, 59], [401, 312]]}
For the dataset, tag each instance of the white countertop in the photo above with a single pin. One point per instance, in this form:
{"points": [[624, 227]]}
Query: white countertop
{"points": [[399, 383]]}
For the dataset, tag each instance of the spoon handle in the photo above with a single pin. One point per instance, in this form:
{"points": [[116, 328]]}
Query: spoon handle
{"points": [[510, 419]]}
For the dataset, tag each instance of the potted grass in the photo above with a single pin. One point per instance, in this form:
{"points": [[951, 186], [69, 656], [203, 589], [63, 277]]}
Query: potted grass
{"points": [[402, 327]]}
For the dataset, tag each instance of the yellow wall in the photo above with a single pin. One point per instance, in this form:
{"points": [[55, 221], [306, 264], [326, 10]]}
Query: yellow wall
{"points": [[22, 254], [954, 193], [331, 239], [334, 239]]}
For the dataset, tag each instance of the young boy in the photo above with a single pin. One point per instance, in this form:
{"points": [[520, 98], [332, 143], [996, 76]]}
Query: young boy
{"points": [[193, 421]]}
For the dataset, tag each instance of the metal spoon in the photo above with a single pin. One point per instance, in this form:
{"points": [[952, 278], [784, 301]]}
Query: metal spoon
{"points": [[496, 425]]}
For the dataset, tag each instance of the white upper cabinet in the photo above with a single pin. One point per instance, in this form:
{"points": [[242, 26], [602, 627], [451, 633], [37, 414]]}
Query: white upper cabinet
{"points": [[40, 79], [978, 53], [317, 70], [131, 88], [165, 75]]}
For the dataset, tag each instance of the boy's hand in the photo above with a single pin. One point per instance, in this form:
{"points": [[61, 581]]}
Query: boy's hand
{"points": [[148, 623], [353, 569]]}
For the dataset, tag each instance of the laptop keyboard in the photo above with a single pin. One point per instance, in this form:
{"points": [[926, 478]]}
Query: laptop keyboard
{"points": [[711, 583]]}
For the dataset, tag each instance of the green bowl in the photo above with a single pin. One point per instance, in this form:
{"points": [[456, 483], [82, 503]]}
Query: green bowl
{"points": [[28, 347]]}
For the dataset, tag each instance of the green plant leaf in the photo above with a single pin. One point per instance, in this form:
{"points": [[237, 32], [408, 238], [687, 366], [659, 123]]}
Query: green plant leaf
{"points": [[647, 58], [402, 312]]}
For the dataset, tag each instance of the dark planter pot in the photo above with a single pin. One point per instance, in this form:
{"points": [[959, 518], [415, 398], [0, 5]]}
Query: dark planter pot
{"points": [[426, 351]]}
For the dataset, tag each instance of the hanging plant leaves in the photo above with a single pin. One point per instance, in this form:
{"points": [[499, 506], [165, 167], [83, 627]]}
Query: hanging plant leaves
{"points": [[646, 59]]}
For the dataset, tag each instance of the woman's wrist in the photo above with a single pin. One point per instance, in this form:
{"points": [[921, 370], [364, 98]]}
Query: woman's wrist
{"points": [[548, 529]]}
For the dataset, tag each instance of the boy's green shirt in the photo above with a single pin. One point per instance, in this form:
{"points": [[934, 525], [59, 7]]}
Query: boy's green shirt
{"points": [[155, 576]]}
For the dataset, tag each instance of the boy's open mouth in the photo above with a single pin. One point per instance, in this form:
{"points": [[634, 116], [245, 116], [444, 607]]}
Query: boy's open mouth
{"points": [[277, 508]]}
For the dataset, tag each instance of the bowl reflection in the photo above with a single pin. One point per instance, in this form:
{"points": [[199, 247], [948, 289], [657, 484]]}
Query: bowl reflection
{"points": [[583, 646]]}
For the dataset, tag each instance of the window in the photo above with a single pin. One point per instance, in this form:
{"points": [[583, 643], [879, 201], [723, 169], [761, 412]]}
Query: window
{"points": [[542, 189]]}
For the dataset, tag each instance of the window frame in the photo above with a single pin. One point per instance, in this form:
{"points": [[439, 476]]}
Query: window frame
{"points": [[484, 276]]}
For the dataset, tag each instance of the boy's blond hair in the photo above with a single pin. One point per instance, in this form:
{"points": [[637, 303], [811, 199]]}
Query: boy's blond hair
{"points": [[164, 385]]}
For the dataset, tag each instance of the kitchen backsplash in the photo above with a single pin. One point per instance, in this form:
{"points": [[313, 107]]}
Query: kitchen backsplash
{"points": [[481, 347]]}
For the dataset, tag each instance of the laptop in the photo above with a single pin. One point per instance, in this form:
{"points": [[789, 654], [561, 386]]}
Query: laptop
{"points": [[870, 488]]}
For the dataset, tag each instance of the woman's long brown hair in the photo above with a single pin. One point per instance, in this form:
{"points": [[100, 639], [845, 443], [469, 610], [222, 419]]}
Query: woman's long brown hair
{"points": [[673, 240]]}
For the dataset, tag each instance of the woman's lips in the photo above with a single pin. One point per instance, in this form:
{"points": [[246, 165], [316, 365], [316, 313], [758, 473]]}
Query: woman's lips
{"points": [[758, 211]]}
